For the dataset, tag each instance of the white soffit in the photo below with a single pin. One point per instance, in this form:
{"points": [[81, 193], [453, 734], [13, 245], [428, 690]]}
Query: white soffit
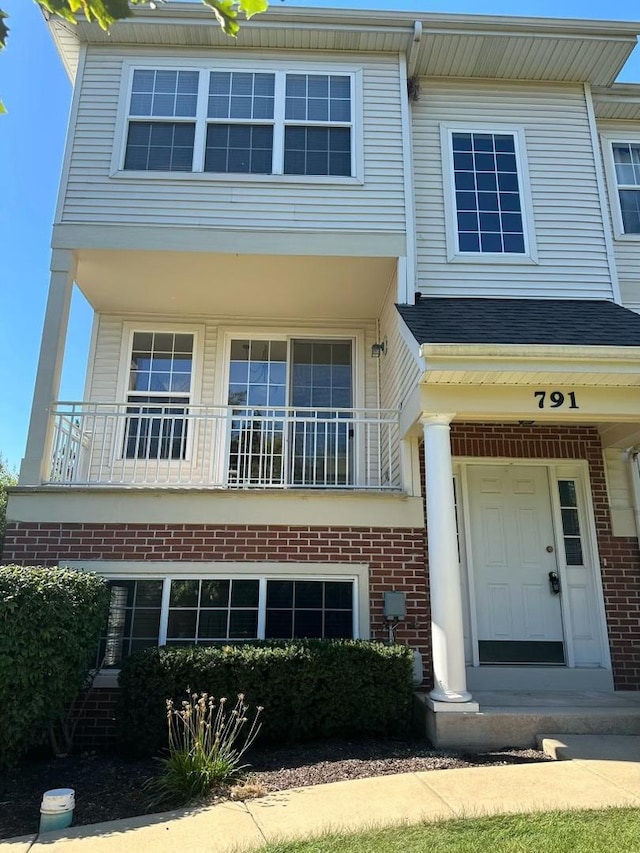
{"points": [[465, 46], [265, 287], [620, 102]]}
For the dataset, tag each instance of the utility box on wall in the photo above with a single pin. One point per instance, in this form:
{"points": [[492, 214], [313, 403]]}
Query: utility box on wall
{"points": [[395, 605]]}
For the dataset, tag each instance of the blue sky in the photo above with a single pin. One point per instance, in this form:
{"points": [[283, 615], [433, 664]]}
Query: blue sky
{"points": [[37, 93]]}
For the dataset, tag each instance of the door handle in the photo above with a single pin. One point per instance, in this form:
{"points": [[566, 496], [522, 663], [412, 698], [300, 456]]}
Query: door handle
{"points": [[554, 582]]}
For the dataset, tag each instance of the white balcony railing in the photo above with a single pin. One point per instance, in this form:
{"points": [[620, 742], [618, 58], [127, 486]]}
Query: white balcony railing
{"points": [[168, 444]]}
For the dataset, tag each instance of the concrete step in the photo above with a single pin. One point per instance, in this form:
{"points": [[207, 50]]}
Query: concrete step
{"points": [[572, 747], [517, 718]]}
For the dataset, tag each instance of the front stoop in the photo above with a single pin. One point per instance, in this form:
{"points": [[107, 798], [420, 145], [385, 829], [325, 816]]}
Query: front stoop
{"points": [[516, 718]]}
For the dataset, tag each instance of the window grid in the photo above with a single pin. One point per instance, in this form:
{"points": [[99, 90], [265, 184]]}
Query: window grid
{"points": [[268, 123], [134, 619], [146, 611], [160, 379], [626, 158], [570, 522], [487, 193]]}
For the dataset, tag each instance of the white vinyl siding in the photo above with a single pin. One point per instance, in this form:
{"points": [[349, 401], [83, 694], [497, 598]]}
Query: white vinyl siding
{"points": [[399, 370], [398, 365], [626, 248], [107, 363], [91, 195], [616, 466], [569, 231]]}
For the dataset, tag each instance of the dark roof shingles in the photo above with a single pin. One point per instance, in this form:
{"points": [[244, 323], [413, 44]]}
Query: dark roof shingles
{"points": [[569, 322]]}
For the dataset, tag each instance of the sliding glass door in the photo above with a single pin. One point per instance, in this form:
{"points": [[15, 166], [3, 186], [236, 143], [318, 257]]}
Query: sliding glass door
{"points": [[291, 419]]}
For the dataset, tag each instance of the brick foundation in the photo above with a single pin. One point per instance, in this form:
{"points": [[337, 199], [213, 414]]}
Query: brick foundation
{"points": [[96, 727]]}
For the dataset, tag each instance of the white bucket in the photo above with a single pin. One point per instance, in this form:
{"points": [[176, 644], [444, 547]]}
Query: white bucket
{"points": [[56, 810]]}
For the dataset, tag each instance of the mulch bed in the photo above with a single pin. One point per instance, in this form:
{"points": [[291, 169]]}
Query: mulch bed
{"points": [[109, 786]]}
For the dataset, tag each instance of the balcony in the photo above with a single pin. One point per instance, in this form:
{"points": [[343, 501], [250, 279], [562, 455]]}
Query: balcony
{"points": [[158, 444]]}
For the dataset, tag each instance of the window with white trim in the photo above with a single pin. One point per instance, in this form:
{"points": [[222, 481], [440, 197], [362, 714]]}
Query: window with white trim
{"points": [[159, 392], [626, 160], [486, 199], [146, 612], [240, 122]]}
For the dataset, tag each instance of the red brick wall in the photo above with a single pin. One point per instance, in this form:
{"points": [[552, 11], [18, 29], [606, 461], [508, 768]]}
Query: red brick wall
{"points": [[96, 726], [621, 575], [396, 557]]}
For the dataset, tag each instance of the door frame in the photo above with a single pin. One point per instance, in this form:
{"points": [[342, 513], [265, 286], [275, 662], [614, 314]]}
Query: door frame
{"points": [[557, 469]]}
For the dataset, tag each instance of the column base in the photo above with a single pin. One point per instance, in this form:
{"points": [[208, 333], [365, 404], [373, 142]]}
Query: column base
{"points": [[437, 707], [446, 696]]}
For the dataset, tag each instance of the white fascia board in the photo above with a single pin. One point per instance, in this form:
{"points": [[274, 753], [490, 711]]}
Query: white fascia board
{"points": [[600, 364], [527, 352]]}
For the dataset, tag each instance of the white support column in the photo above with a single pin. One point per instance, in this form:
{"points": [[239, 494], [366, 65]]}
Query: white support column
{"points": [[450, 682], [47, 387]]}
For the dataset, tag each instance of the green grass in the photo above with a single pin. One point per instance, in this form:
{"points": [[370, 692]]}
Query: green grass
{"points": [[606, 831]]}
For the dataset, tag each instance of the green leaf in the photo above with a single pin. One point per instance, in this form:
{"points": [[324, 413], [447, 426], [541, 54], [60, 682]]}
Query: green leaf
{"points": [[227, 15], [4, 29], [253, 7]]}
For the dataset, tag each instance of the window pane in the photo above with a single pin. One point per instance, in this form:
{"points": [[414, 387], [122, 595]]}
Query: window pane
{"points": [[245, 593], [307, 623], [318, 97], [279, 625], [213, 624], [338, 625], [308, 593], [148, 593], [339, 594], [164, 93], [567, 489], [214, 593], [630, 206], [573, 550], [317, 151], [279, 594], [487, 193], [241, 95], [240, 149], [133, 621], [160, 146], [182, 624], [184, 593], [243, 624]]}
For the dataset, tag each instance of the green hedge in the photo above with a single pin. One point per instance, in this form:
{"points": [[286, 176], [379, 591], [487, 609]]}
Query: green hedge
{"points": [[309, 689], [50, 622]]}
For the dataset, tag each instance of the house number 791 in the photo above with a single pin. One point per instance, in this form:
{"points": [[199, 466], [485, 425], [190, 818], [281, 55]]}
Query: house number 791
{"points": [[555, 399]]}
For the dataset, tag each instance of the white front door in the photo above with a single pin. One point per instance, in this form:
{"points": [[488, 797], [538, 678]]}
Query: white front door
{"points": [[518, 611]]}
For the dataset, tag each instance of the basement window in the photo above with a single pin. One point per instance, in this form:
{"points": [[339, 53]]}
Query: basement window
{"points": [[210, 611]]}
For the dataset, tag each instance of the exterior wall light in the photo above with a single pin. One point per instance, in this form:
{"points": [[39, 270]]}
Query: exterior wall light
{"points": [[379, 349]]}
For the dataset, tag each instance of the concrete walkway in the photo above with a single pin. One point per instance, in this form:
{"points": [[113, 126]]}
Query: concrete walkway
{"points": [[381, 801]]}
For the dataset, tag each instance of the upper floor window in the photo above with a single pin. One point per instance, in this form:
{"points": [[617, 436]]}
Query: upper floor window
{"points": [[486, 199], [159, 391], [626, 159], [240, 122]]}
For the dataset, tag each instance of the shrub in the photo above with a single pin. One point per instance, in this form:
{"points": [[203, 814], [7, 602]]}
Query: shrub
{"points": [[50, 623], [206, 745], [309, 689]]}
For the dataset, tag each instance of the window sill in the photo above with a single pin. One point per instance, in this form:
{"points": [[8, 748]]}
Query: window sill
{"points": [[627, 238], [214, 177], [487, 258]]}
